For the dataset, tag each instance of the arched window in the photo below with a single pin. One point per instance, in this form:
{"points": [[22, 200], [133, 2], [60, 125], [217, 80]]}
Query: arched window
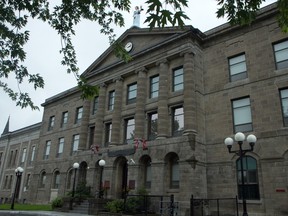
{"points": [[42, 179], [173, 174], [251, 184], [174, 170], [69, 179], [56, 180]]}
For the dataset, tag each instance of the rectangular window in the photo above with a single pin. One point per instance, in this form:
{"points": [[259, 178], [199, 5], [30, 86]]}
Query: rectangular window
{"points": [[51, 123], [237, 67], [154, 86], [284, 102], [91, 135], [60, 147], [10, 159], [178, 79], [152, 126], [32, 154], [177, 121], [79, 113], [108, 132], [111, 100], [27, 184], [129, 130], [95, 105], [75, 143], [281, 54], [6, 182], [15, 157], [10, 182], [132, 93], [24, 155], [242, 115], [47, 150], [64, 119]]}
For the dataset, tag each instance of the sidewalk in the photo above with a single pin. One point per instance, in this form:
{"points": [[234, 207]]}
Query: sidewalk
{"points": [[38, 213]]}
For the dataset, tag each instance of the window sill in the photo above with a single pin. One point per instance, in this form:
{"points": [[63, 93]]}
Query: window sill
{"points": [[236, 83], [173, 190], [256, 202]]}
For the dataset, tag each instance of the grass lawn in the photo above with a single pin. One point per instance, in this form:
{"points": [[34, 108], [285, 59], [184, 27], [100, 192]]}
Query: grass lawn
{"points": [[26, 207]]}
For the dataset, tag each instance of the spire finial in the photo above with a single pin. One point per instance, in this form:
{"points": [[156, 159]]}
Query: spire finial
{"points": [[6, 129]]}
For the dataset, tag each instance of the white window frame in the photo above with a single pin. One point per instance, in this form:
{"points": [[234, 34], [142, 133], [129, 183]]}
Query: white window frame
{"points": [[237, 67], [242, 115], [281, 54]]}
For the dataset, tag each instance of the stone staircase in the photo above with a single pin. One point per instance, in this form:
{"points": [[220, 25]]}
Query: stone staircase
{"points": [[81, 208]]}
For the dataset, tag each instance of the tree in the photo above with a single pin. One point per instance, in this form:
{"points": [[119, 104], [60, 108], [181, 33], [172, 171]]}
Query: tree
{"points": [[15, 14], [244, 11]]}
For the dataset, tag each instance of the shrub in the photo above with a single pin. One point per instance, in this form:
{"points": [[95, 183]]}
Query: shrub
{"points": [[115, 206], [82, 191], [57, 202]]}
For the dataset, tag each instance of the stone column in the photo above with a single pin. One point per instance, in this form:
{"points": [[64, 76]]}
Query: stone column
{"points": [[140, 103], [84, 125], [116, 116], [163, 115], [99, 117], [190, 105]]}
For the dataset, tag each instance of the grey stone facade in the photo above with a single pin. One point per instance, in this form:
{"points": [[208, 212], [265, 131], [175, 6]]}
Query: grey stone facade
{"points": [[193, 162]]}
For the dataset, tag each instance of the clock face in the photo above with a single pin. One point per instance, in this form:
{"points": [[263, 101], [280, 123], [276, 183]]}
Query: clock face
{"points": [[128, 46]]}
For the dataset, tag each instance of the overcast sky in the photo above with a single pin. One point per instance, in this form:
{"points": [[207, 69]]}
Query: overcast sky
{"points": [[43, 57]]}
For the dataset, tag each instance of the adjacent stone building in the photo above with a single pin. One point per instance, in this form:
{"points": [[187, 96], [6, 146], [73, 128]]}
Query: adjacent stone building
{"points": [[160, 121]]}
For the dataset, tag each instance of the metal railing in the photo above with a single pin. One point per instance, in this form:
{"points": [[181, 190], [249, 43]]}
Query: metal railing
{"points": [[214, 207], [152, 204]]}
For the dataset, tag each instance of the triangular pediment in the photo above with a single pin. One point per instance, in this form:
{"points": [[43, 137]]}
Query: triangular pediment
{"points": [[139, 41]]}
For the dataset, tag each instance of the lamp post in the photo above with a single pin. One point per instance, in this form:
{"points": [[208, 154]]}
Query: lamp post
{"points": [[18, 172], [75, 167], [240, 138], [101, 164]]}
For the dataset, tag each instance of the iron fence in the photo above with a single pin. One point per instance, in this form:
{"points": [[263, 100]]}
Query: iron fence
{"points": [[214, 207], [152, 204]]}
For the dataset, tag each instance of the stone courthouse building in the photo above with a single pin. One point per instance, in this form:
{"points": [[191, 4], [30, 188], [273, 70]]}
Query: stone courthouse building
{"points": [[160, 121]]}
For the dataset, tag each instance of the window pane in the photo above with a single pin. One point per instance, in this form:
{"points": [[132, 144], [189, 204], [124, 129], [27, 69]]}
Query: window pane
{"points": [[178, 121], [281, 54], [238, 68], [130, 127], [178, 79], [153, 120], [61, 145], [241, 102], [284, 101], [251, 188], [95, 105], [154, 87], [75, 142], [175, 172], [242, 115], [281, 46], [237, 59], [111, 100], [132, 93]]}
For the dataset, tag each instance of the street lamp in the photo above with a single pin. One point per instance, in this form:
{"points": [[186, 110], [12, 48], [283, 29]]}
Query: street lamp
{"points": [[18, 172], [239, 138], [75, 167], [101, 164]]}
